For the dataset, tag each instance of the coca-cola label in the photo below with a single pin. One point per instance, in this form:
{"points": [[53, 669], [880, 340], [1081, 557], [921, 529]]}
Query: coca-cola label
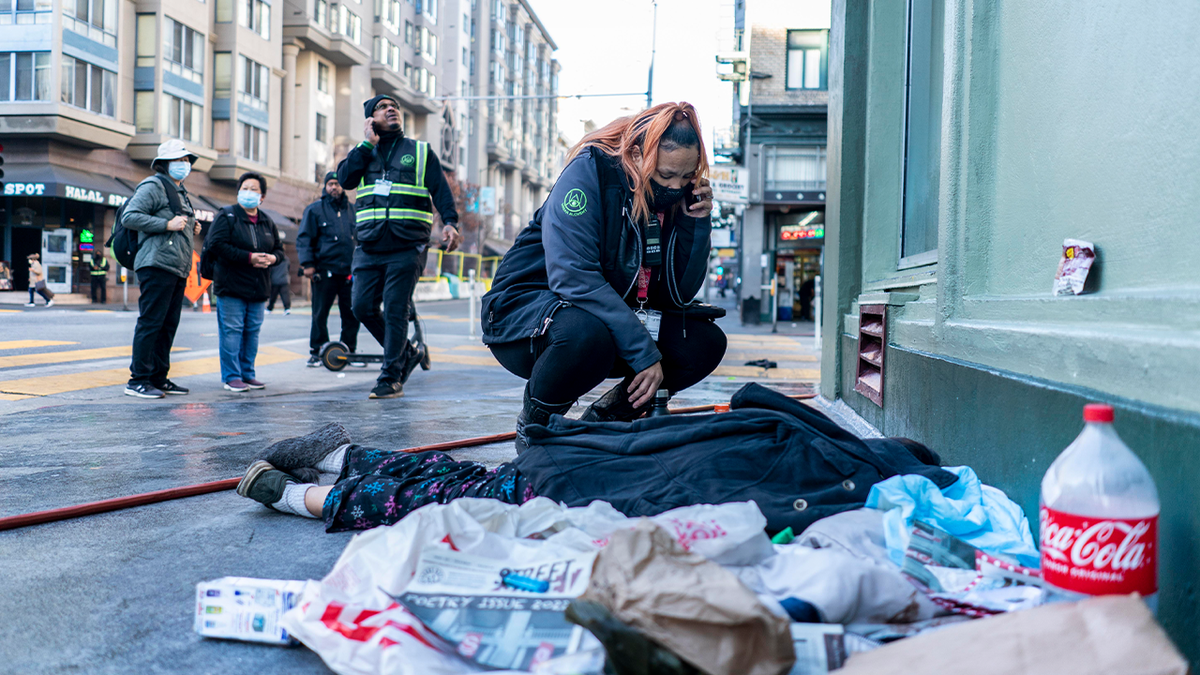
{"points": [[1100, 556]]}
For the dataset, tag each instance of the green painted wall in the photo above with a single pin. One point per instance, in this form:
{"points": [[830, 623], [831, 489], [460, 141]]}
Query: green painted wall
{"points": [[1059, 119]]}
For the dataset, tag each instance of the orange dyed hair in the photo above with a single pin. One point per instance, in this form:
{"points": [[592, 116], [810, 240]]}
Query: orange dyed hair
{"points": [[644, 131]]}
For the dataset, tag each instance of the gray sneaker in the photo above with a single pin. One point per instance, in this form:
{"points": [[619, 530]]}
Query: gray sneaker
{"points": [[264, 483]]}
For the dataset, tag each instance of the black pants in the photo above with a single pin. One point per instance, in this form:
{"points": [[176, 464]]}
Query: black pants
{"points": [[282, 292], [325, 290], [100, 284], [388, 279], [159, 306], [578, 353]]}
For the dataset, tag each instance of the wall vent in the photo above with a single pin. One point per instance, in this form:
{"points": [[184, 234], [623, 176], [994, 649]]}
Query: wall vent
{"points": [[872, 338]]}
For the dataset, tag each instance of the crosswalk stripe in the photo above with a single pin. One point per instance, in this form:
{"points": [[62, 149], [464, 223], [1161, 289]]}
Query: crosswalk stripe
{"points": [[59, 384], [440, 355], [772, 354], [66, 357], [29, 344], [806, 374]]}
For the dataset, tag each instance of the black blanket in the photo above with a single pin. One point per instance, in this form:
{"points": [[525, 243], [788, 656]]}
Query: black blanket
{"points": [[794, 462]]}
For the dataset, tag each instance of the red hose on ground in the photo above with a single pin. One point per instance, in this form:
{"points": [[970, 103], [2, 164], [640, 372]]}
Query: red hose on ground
{"points": [[118, 503]]}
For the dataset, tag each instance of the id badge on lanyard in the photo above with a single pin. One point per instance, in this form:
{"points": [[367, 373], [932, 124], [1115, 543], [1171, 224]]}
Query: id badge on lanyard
{"points": [[650, 318], [382, 188]]}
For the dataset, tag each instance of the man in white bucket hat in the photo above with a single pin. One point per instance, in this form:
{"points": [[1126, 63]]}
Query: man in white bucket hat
{"points": [[162, 216]]}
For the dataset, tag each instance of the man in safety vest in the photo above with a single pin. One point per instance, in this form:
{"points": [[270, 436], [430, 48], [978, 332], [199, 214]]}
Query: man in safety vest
{"points": [[99, 269], [399, 182]]}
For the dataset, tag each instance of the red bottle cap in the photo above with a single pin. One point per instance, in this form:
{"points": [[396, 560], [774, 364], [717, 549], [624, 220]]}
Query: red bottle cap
{"points": [[721, 407], [1097, 412]]}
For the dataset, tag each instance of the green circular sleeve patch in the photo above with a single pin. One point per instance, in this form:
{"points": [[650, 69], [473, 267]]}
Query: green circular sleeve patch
{"points": [[575, 203], [408, 160]]}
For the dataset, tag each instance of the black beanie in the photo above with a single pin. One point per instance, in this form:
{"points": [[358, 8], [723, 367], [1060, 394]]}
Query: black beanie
{"points": [[332, 175], [369, 106]]}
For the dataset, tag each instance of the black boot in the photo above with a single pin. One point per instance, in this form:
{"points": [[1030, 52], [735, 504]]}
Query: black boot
{"points": [[536, 412], [614, 406]]}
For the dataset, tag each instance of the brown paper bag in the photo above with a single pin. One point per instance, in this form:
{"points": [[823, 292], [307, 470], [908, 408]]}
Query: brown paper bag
{"points": [[689, 604], [1111, 634]]}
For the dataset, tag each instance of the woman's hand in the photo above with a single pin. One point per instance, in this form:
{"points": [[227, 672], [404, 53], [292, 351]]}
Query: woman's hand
{"points": [[644, 384], [259, 260], [702, 191]]}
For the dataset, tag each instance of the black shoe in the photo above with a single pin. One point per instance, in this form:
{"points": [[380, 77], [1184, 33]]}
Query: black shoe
{"points": [[417, 354], [535, 412], [264, 483], [387, 390], [169, 387], [299, 456], [426, 362], [314, 361], [142, 390], [614, 406]]}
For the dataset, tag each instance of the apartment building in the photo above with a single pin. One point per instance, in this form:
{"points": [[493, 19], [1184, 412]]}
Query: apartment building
{"points": [[89, 88], [779, 66], [514, 122]]}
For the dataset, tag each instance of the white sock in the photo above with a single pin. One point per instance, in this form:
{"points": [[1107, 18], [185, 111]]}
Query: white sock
{"points": [[333, 461], [293, 500], [324, 479]]}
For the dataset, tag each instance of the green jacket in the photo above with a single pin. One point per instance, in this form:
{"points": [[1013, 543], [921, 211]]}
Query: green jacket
{"points": [[148, 212]]}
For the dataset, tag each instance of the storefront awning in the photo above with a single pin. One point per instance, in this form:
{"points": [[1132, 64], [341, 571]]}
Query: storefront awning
{"points": [[289, 229], [49, 180], [496, 246]]}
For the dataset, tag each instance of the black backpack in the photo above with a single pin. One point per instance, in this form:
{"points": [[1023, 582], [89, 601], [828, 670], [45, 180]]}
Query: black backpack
{"points": [[124, 241]]}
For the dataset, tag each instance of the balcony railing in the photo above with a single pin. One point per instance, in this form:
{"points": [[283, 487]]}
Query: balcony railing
{"points": [[795, 168]]}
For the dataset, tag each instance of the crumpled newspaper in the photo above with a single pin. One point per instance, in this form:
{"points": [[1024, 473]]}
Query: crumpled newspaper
{"points": [[1073, 267]]}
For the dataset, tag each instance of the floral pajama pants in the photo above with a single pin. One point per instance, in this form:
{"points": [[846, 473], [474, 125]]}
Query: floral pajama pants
{"points": [[378, 487]]}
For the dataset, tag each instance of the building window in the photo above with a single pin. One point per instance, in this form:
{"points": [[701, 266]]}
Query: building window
{"points": [[25, 76], [807, 59], [96, 19], [87, 86], [322, 128], [323, 78], [387, 12], [143, 111], [224, 11], [466, 23], [184, 51], [183, 118], [408, 74], [321, 14], [349, 24], [255, 15], [431, 11], [222, 74], [255, 83], [429, 46], [254, 144], [147, 40], [923, 131], [387, 53], [23, 12]]}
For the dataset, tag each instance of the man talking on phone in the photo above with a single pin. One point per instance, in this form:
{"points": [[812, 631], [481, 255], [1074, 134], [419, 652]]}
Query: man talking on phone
{"points": [[399, 182]]}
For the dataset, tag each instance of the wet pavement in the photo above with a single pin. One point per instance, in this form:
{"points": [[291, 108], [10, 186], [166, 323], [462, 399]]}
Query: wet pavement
{"points": [[114, 592]]}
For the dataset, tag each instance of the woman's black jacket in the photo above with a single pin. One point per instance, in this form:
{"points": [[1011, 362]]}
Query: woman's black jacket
{"points": [[231, 240]]}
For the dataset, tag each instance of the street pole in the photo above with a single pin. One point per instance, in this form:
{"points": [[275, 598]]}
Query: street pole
{"points": [[817, 313], [471, 304], [653, 50], [124, 289]]}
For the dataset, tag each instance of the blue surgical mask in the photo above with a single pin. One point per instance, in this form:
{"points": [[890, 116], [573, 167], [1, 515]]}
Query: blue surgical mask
{"points": [[179, 169], [249, 199]]}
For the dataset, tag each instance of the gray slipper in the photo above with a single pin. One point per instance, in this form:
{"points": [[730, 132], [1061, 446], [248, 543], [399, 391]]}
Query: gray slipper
{"points": [[299, 456]]}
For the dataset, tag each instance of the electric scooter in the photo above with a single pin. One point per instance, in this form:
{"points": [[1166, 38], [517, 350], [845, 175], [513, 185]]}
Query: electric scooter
{"points": [[335, 355]]}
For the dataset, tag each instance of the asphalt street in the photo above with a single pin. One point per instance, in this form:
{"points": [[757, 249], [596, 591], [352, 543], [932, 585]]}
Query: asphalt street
{"points": [[115, 592]]}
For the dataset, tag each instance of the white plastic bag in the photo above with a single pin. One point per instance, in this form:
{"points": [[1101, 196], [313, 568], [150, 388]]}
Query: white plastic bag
{"points": [[380, 563]]}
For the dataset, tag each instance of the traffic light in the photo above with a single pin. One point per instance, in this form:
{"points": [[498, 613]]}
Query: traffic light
{"points": [[720, 269]]}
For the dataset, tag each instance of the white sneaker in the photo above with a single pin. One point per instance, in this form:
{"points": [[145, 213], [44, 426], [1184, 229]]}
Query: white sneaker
{"points": [[287, 311], [268, 311], [30, 304], [50, 303]]}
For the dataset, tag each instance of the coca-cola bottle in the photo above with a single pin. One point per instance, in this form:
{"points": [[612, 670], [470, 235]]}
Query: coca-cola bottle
{"points": [[1099, 512]]}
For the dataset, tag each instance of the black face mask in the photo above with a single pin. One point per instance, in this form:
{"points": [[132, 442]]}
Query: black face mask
{"points": [[665, 197]]}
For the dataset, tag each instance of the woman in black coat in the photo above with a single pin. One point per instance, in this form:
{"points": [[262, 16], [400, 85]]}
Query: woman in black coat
{"points": [[244, 243]]}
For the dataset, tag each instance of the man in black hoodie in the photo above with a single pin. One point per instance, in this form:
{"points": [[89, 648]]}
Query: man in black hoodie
{"points": [[325, 248], [399, 182]]}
